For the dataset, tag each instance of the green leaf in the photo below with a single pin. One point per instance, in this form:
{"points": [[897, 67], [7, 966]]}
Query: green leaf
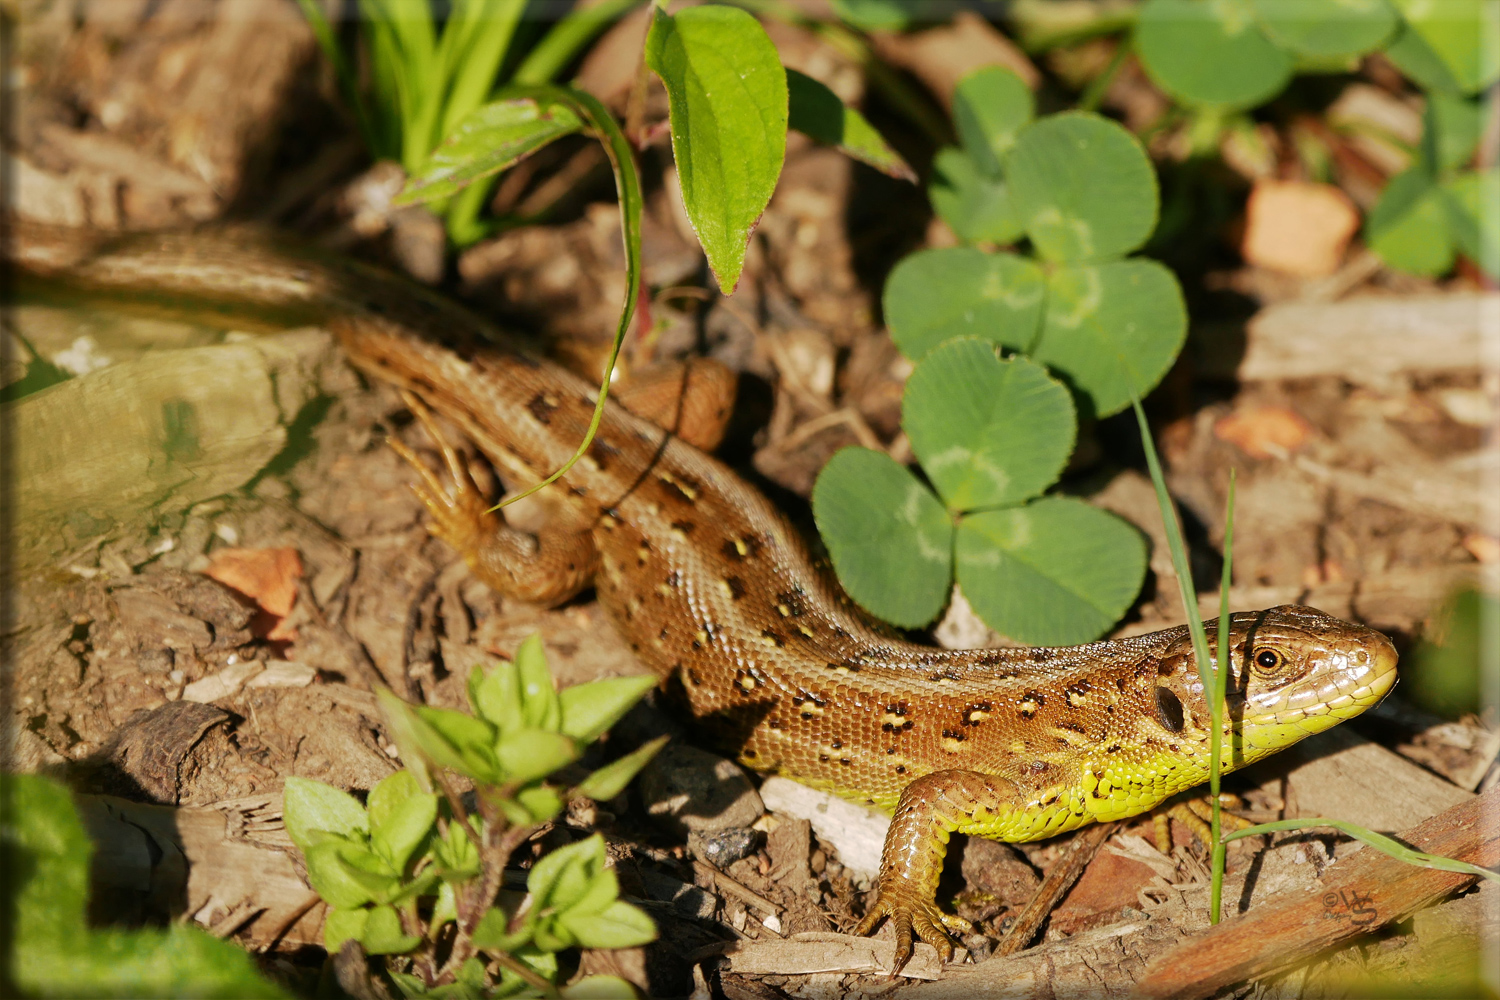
{"points": [[561, 877], [890, 539], [400, 727], [455, 855], [1210, 52], [727, 93], [1054, 572], [877, 15], [52, 950], [539, 705], [387, 794], [1420, 63], [988, 432], [404, 828], [1471, 198], [619, 926], [602, 890], [445, 908], [976, 206], [1409, 226], [1083, 187], [611, 779], [1454, 31], [529, 754], [990, 105], [490, 139], [382, 933], [1328, 28], [541, 802], [312, 805], [457, 741], [334, 880], [1112, 330], [589, 709], [600, 988], [340, 925], [817, 113], [935, 295], [1452, 128], [496, 695], [491, 932]]}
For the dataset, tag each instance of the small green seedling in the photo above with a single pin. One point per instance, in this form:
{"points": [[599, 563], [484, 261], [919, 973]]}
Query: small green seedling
{"points": [[414, 875]]}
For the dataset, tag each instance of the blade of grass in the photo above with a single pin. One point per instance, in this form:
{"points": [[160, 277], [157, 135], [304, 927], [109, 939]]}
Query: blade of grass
{"points": [[628, 183], [1380, 842], [1216, 708], [348, 83], [479, 64], [565, 39]]}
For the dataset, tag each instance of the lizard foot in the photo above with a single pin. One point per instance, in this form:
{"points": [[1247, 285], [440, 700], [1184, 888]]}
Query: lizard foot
{"points": [[1195, 814], [910, 916], [460, 515]]}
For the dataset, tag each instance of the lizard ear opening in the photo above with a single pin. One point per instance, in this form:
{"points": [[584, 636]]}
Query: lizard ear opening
{"points": [[1168, 710]]}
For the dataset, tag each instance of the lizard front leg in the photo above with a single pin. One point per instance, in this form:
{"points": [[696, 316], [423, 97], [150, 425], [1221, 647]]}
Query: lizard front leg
{"points": [[929, 810], [545, 568]]}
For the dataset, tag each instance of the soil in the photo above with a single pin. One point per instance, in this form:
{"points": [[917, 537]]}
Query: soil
{"points": [[140, 115]]}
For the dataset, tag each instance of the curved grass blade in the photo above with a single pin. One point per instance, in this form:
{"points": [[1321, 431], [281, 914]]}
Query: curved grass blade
{"points": [[1379, 841], [601, 124]]}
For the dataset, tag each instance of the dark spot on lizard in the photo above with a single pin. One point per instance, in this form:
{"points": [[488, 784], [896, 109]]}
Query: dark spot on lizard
{"points": [[542, 406], [1168, 710], [736, 587]]}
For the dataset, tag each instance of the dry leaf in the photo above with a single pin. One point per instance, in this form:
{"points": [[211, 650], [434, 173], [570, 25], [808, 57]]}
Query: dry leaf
{"points": [[1298, 228], [266, 576], [1264, 431]]}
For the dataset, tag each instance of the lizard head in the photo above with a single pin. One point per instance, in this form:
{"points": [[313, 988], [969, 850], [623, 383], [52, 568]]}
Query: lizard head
{"points": [[1293, 672]]}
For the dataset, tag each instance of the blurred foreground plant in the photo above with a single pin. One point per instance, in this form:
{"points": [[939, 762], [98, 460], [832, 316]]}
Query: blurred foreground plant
{"points": [[416, 872]]}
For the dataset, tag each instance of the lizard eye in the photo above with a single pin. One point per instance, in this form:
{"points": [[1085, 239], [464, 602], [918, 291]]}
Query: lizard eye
{"points": [[1267, 659]]}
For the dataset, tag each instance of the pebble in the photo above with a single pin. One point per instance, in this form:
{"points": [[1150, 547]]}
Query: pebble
{"points": [[686, 789], [724, 848]]}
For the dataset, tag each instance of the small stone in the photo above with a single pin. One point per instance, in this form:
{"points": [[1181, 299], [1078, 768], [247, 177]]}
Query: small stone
{"points": [[688, 789], [724, 848], [995, 868]]}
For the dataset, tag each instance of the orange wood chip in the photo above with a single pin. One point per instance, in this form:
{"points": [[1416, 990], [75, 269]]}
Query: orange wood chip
{"points": [[1264, 431], [266, 576], [1485, 548], [1298, 228]]}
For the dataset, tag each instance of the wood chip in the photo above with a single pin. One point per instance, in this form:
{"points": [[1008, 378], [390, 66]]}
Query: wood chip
{"points": [[817, 951]]}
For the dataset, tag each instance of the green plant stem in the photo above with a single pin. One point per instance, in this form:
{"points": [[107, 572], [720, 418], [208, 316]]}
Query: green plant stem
{"points": [[565, 39], [1099, 85], [1380, 842], [1216, 709]]}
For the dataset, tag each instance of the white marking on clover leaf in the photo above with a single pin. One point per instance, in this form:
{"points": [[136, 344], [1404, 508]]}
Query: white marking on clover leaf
{"points": [[1084, 305], [956, 455], [994, 473]]}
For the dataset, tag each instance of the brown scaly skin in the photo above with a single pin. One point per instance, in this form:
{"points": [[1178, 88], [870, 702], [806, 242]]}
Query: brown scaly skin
{"points": [[715, 591]]}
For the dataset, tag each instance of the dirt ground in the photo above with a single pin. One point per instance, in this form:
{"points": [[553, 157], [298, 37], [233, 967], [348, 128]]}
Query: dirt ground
{"points": [[195, 651]]}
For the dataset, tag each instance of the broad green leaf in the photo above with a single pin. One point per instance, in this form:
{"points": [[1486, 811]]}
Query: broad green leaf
{"points": [[976, 206], [492, 932], [562, 876], [400, 727], [589, 709], [877, 15], [496, 695], [1414, 57], [312, 805], [1455, 31], [340, 925], [1471, 198], [52, 949], [600, 988], [817, 113], [988, 432], [382, 933], [1452, 126], [538, 691], [529, 754], [490, 139], [333, 879], [727, 94], [602, 890], [1210, 52], [619, 926], [935, 295], [1083, 187], [456, 740], [387, 794], [404, 828], [890, 539], [1409, 227], [990, 105], [541, 802], [1054, 572], [1112, 330], [1328, 28], [611, 779]]}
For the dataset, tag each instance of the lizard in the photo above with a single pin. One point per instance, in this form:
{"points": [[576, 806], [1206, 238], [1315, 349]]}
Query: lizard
{"points": [[716, 592]]}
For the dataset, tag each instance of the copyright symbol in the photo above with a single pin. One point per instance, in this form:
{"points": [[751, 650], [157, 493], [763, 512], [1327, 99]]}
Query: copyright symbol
{"points": [[1330, 900]]}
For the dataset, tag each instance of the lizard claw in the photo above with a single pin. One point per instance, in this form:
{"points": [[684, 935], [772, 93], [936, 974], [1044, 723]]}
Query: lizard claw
{"points": [[913, 917], [460, 515]]}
